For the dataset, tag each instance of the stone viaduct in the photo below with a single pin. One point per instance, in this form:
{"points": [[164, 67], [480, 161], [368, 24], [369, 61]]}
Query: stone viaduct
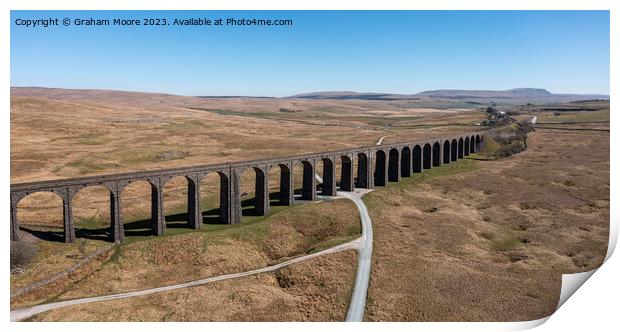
{"points": [[376, 166]]}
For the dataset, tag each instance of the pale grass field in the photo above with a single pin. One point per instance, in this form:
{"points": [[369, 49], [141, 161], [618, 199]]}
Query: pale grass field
{"points": [[491, 242], [159, 261], [70, 133], [313, 290], [486, 242], [62, 133]]}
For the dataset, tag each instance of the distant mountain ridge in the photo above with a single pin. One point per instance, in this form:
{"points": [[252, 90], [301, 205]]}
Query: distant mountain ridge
{"points": [[512, 93], [518, 94], [442, 99]]}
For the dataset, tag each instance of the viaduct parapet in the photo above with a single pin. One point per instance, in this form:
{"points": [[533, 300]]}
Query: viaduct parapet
{"points": [[376, 166]]}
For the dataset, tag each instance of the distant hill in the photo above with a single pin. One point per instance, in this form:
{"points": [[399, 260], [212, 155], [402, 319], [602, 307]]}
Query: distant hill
{"points": [[350, 95], [126, 98], [512, 93], [440, 99], [519, 95]]}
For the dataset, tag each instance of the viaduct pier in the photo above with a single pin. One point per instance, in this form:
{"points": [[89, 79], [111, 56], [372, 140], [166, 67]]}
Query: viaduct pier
{"points": [[376, 166]]}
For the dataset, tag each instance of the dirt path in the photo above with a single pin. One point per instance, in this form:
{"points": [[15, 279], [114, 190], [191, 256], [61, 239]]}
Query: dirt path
{"points": [[364, 258], [363, 245], [21, 314]]}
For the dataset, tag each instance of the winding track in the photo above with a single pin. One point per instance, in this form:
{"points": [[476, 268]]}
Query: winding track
{"points": [[363, 245], [358, 299], [364, 258], [21, 314]]}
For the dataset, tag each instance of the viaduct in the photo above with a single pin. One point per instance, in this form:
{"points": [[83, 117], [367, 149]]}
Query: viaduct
{"points": [[376, 166]]}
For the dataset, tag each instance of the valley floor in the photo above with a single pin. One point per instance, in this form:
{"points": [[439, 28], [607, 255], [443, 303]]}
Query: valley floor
{"points": [[491, 243]]}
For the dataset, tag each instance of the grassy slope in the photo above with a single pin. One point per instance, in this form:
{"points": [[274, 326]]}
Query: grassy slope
{"points": [[271, 238], [503, 220], [183, 255], [372, 199], [258, 241], [314, 290], [582, 116]]}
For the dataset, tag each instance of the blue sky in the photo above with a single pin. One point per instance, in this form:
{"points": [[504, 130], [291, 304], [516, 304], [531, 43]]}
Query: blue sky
{"points": [[365, 51]]}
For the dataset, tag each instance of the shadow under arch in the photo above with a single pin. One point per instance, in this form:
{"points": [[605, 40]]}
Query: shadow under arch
{"points": [[284, 195], [453, 150], [405, 162], [446, 152], [436, 154], [427, 156], [55, 232], [183, 216], [380, 173], [417, 159], [217, 214], [466, 147], [257, 203], [347, 179], [91, 228], [308, 183], [394, 165], [141, 226], [363, 171]]}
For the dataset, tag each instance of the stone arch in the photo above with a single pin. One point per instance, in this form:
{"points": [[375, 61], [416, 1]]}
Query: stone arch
{"points": [[427, 155], [472, 144], [405, 162], [478, 140], [363, 171], [394, 165], [253, 197], [286, 185], [466, 146], [214, 193], [136, 224], [446, 152], [261, 191], [308, 183], [180, 196], [460, 150], [436, 154], [30, 222], [328, 187], [380, 168], [454, 150], [346, 173], [95, 226], [417, 159]]}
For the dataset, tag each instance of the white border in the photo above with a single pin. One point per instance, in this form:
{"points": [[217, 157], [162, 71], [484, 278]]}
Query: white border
{"points": [[594, 305]]}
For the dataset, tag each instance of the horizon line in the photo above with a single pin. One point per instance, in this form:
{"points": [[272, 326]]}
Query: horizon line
{"points": [[608, 95]]}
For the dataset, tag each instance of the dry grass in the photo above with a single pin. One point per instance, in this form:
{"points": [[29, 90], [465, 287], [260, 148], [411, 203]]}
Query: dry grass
{"points": [[158, 261], [491, 245], [488, 243], [51, 258], [74, 133], [59, 133], [579, 116], [313, 290]]}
